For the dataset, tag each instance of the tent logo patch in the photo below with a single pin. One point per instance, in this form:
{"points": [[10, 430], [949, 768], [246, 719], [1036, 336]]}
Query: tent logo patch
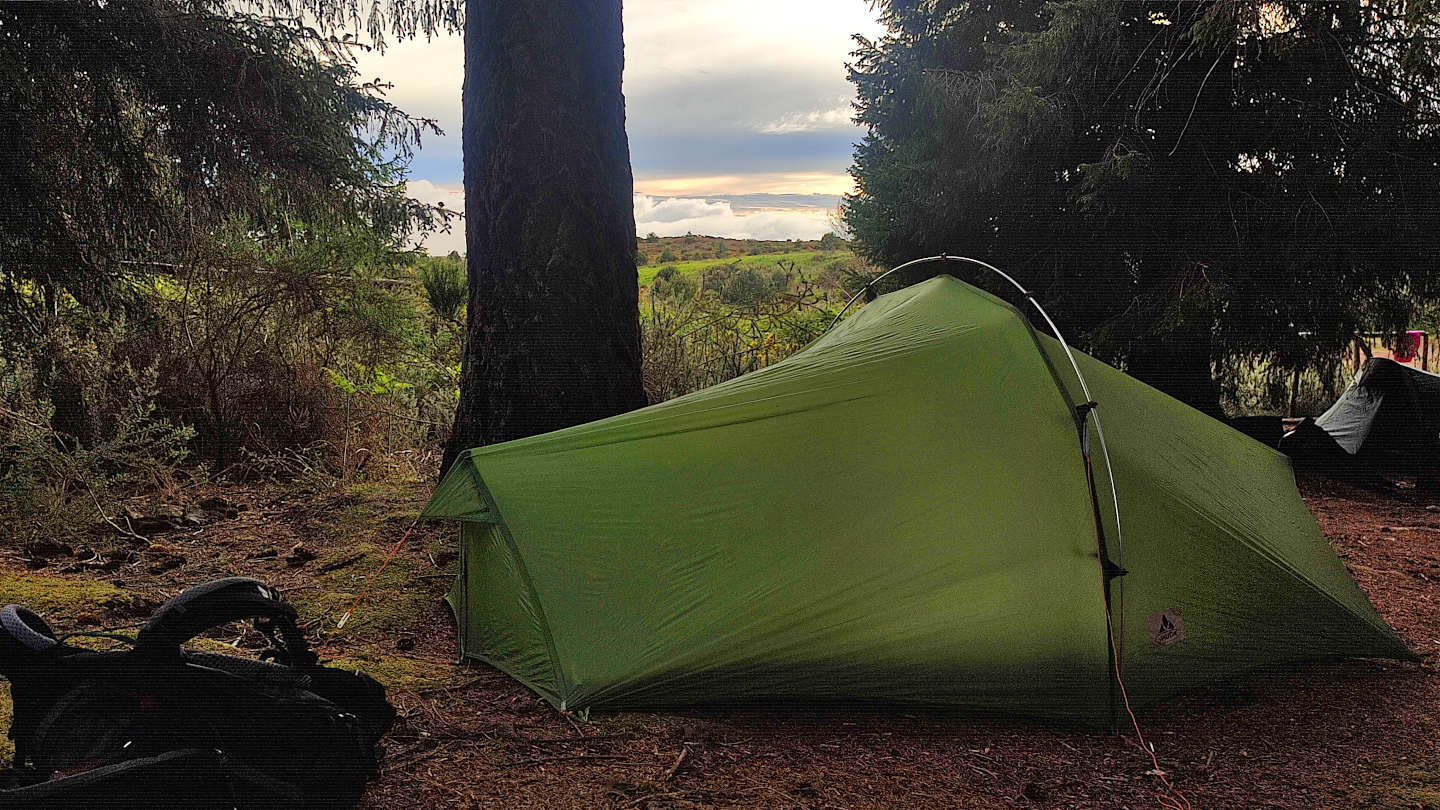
{"points": [[1166, 627]]}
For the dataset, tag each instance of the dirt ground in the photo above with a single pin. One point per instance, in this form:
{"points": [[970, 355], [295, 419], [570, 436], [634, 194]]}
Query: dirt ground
{"points": [[1359, 734]]}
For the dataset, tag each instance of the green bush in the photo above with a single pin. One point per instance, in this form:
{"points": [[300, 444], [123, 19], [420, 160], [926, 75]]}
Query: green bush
{"points": [[745, 288], [52, 488], [445, 283]]}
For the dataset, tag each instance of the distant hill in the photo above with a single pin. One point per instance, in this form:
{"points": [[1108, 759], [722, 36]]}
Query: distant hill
{"points": [[674, 249]]}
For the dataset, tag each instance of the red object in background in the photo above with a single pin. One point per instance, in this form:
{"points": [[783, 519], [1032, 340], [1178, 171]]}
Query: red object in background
{"points": [[1410, 347]]}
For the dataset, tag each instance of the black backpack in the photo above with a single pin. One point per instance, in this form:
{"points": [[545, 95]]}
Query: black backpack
{"points": [[159, 725]]}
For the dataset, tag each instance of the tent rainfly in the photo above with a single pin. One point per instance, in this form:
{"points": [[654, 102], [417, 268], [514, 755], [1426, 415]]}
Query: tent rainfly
{"points": [[898, 515], [1387, 418]]}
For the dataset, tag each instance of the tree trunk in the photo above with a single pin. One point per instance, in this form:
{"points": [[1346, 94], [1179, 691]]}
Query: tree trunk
{"points": [[552, 332], [1178, 362]]}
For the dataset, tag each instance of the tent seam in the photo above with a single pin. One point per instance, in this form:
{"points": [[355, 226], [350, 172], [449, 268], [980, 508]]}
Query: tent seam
{"points": [[1111, 646], [562, 687]]}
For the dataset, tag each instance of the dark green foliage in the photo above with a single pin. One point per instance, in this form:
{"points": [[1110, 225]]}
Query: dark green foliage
{"points": [[745, 287], [667, 255], [730, 321], [136, 128], [670, 285], [185, 142], [217, 191], [444, 283], [55, 496], [1183, 184]]}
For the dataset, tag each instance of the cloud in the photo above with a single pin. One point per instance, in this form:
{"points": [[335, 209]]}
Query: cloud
{"points": [[453, 198], [677, 216], [732, 88], [748, 216], [837, 118], [736, 184]]}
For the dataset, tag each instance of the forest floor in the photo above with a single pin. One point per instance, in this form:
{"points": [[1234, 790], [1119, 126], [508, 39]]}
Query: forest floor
{"points": [[1359, 734]]}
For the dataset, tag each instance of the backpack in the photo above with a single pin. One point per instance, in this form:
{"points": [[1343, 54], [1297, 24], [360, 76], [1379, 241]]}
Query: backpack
{"points": [[160, 725]]}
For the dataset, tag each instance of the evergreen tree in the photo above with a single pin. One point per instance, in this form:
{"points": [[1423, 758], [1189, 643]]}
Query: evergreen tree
{"points": [[1191, 185], [141, 136]]}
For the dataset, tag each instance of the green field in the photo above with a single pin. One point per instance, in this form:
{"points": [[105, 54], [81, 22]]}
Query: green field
{"points": [[806, 260]]}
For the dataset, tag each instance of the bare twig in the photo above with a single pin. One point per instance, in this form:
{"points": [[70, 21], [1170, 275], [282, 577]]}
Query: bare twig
{"points": [[680, 760]]}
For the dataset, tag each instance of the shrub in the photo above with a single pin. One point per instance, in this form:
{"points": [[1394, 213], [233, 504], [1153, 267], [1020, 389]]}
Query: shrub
{"points": [[746, 288], [446, 285], [52, 489]]}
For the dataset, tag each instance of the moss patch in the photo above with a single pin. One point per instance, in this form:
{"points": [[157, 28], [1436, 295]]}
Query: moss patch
{"points": [[1403, 784], [53, 596], [398, 672], [397, 600], [7, 748]]}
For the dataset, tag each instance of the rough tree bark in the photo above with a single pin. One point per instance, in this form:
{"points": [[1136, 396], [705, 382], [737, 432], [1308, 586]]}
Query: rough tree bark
{"points": [[1178, 362], [552, 332]]}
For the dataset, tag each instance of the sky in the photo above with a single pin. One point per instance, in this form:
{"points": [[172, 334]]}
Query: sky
{"points": [[739, 114]]}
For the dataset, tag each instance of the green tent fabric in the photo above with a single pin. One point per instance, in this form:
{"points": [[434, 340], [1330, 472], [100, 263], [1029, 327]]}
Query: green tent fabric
{"points": [[898, 515]]}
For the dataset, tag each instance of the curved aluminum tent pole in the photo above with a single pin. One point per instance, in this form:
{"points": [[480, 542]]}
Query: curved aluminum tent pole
{"points": [[1084, 388]]}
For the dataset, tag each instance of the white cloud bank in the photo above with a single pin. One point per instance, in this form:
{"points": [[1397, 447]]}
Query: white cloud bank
{"points": [[835, 119], [665, 216], [677, 216], [440, 243]]}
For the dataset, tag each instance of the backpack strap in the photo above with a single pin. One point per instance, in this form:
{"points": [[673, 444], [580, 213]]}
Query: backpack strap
{"points": [[185, 779], [29, 654], [26, 628], [214, 603]]}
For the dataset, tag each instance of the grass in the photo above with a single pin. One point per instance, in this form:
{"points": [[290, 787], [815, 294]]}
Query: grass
{"points": [[806, 259]]}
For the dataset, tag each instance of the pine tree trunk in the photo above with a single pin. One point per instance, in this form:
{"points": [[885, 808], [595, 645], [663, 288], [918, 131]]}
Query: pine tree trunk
{"points": [[552, 333], [1178, 362]]}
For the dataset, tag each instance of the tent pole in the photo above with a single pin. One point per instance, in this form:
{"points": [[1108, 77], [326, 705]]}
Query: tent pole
{"points": [[1109, 569]]}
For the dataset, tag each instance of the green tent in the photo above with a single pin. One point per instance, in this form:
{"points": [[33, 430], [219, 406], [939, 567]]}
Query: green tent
{"points": [[899, 514]]}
